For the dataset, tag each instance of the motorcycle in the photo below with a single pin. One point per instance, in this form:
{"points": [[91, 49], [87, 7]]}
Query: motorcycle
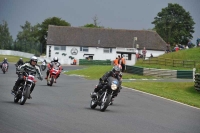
{"points": [[24, 89], [43, 66], [4, 67], [104, 97], [53, 74]]}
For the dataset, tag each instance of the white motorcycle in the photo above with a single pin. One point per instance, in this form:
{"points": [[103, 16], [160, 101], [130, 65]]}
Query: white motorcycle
{"points": [[43, 66]]}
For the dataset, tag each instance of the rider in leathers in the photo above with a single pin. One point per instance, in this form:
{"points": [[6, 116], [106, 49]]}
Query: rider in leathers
{"points": [[20, 62], [30, 67], [4, 61], [115, 72], [54, 64]]}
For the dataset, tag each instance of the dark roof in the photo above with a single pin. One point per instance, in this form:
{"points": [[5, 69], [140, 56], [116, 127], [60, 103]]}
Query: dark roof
{"points": [[80, 36]]}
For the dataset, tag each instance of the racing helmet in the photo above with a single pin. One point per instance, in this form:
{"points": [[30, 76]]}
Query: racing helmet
{"points": [[116, 70], [34, 58], [55, 59]]}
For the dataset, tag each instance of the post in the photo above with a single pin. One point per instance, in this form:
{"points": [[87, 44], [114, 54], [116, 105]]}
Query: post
{"points": [[194, 69]]}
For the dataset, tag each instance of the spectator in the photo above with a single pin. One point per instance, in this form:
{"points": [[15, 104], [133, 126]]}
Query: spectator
{"points": [[119, 59], [115, 62], [144, 53], [123, 63], [198, 42], [168, 47], [176, 48], [189, 44], [151, 55], [74, 62]]}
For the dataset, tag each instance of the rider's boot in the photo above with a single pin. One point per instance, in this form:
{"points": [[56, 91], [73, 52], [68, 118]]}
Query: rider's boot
{"points": [[14, 90]]}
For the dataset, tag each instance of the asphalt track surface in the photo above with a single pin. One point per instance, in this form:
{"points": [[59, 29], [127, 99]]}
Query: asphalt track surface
{"points": [[64, 108]]}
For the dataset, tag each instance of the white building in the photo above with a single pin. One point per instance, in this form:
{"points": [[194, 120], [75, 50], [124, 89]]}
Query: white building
{"points": [[100, 44]]}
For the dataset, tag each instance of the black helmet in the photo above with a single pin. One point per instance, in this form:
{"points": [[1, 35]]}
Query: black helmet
{"points": [[5, 59], [20, 59]]}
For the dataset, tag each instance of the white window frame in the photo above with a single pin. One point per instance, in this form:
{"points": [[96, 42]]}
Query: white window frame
{"points": [[61, 48], [107, 50], [84, 49]]}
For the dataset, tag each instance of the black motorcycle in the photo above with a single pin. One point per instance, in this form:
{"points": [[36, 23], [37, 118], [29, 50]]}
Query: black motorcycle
{"points": [[104, 96], [24, 89]]}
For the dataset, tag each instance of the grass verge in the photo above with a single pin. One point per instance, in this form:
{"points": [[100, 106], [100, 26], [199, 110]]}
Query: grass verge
{"points": [[12, 58], [183, 92]]}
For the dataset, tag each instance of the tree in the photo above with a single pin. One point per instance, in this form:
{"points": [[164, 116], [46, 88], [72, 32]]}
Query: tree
{"points": [[27, 39], [94, 25], [6, 40], [174, 24], [43, 28]]}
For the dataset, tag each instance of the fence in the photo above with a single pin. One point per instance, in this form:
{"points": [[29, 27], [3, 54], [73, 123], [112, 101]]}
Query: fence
{"points": [[94, 62], [197, 81], [160, 72], [171, 62]]}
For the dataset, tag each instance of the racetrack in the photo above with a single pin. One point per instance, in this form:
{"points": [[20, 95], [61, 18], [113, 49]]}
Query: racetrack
{"points": [[64, 108]]}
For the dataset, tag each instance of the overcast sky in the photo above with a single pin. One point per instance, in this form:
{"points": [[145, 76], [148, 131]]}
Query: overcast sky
{"points": [[116, 14]]}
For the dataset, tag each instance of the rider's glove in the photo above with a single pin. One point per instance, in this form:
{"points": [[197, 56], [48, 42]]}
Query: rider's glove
{"points": [[40, 78]]}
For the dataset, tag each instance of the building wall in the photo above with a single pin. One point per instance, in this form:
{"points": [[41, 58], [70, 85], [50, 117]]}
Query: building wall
{"points": [[98, 54]]}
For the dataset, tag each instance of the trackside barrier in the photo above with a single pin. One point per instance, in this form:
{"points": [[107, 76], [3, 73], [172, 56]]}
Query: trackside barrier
{"points": [[160, 72]]}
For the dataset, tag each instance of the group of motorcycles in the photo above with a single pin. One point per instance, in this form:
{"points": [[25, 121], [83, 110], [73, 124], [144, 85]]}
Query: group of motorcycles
{"points": [[102, 99], [24, 89]]}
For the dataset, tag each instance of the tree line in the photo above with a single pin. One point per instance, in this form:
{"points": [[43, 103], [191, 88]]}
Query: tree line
{"points": [[173, 23]]}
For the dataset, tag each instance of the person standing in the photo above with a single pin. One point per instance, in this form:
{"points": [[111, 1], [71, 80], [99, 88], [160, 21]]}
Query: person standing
{"points": [[123, 63], [144, 51], [115, 62]]}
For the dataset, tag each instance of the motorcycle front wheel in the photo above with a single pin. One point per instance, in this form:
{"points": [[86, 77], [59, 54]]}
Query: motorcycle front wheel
{"points": [[25, 95], [93, 104], [16, 99], [105, 103]]}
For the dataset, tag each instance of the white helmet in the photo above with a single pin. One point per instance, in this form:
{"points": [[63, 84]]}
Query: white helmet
{"points": [[55, 59], [34, 58]]}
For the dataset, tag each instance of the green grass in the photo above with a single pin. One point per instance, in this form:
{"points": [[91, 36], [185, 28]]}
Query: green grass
{"points": [[95, 72], [192, 54], [13, 59], [183, 92]]}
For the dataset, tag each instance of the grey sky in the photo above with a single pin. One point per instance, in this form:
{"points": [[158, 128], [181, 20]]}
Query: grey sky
{"points": [[116, 14]]}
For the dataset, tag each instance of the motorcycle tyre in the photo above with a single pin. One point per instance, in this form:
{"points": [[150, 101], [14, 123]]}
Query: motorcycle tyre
{"points": [[16, 99], [25, 95], [51, 82], [105, 104], [93, 104]]}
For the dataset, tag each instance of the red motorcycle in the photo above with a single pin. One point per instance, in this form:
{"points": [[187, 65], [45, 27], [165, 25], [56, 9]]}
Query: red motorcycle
{"points": [[53, 75]]}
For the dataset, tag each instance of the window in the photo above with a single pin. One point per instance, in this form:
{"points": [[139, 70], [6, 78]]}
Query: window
{"points": [[63, 47], [84, 49], [60, 48], [107, 50]]}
